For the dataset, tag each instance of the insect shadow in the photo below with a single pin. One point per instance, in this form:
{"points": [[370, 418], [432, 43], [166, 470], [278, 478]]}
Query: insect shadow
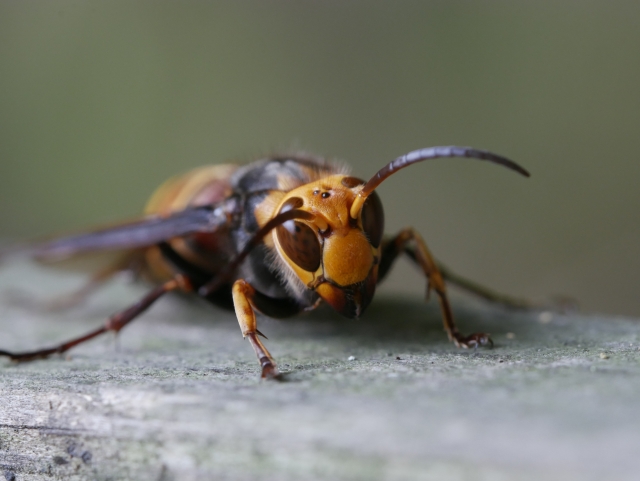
{"points": [[391, 321]]}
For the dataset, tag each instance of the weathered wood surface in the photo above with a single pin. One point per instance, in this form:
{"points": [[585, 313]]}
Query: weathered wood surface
{"points": [[180, 398]]}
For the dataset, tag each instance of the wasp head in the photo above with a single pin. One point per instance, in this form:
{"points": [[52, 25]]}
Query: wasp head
{"points": [[335, 246], [333, 253]]}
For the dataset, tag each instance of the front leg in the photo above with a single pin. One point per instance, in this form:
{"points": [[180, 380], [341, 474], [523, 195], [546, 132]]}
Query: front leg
{"points": [[245, 301], [397, 245]]}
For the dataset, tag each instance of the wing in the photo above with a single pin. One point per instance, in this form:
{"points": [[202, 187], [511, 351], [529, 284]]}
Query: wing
{"points": [[141, 233]]}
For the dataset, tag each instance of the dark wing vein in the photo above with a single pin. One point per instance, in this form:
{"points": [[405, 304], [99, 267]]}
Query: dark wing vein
{"points": [[145, 232]]}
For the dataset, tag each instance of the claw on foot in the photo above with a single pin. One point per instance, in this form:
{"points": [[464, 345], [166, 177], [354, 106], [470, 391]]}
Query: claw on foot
{"points": [[474, 340], [269, 370]]}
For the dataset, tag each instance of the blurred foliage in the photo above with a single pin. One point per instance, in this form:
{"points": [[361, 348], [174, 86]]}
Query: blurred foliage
{"points": [[101, 101]]}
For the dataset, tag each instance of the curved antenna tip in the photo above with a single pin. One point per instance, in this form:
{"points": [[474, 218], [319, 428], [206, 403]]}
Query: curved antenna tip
{"points": [[426, 154]]}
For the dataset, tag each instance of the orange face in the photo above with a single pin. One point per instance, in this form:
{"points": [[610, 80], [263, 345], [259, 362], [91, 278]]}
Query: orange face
{"points": [[334, 254]]}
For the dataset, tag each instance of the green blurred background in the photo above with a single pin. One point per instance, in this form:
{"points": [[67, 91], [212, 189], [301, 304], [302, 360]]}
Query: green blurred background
{"points": [[101, 101]]}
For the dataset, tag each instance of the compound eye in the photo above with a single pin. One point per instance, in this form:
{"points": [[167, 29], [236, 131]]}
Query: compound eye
{"points": [[373, 219], [299, 241]]}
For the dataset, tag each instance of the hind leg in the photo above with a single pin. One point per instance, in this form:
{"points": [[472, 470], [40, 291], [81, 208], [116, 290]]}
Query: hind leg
{"points": [[115, 323], [131, 262], [484, 292]]}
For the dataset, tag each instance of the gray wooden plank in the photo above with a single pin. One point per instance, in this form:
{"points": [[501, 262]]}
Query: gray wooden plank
{"points": [[180, 398]]}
